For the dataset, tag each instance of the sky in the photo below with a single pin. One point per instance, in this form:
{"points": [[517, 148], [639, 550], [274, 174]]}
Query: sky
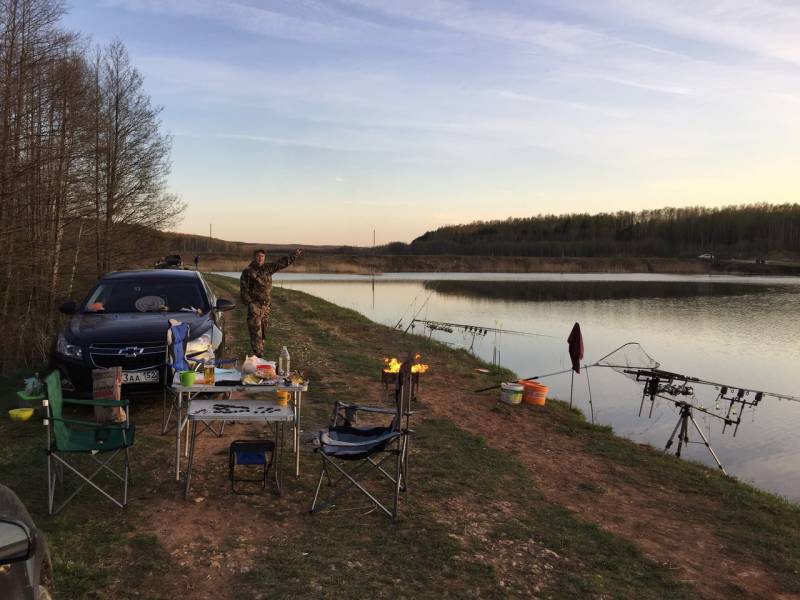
{"points": [[319, 122]]}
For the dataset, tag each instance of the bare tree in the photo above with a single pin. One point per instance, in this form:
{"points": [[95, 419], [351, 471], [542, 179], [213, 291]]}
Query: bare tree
{"points": [[133, 158], [81, 154]]}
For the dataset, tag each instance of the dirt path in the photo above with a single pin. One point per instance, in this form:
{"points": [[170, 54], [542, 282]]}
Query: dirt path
{"points": [[210, 548], [646, 514]]}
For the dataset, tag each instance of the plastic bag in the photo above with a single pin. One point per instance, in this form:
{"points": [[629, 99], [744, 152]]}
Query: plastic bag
{"points": [[33, 385]]}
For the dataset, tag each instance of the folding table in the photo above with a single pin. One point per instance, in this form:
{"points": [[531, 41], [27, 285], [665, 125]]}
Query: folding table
{"points": [[183, 394], [251, 410]]}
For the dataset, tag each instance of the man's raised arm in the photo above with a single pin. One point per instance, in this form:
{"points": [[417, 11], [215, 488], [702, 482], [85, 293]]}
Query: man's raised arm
{"points": [[284, 262]]}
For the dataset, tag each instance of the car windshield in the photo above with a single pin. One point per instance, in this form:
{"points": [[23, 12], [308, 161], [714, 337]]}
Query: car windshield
{"points": [[142, 296]]}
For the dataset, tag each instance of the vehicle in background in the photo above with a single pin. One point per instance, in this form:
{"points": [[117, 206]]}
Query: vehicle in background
{"points": [[124, 321], [25, 568], [706, 256], [171, 261]]}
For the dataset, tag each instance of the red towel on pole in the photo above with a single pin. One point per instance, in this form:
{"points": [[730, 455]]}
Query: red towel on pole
{"points": [[575, 341]]}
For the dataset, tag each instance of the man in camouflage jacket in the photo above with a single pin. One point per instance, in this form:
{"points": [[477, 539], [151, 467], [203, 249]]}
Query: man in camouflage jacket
{"points": [[255, 286]]}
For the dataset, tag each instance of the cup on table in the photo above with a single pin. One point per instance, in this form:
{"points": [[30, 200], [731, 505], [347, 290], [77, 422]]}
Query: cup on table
{"points": [[187, 378], [208, 374], [283, 398]]}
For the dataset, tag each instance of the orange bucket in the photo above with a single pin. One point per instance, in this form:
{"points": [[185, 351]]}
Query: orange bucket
{"points": [[534, 393]]}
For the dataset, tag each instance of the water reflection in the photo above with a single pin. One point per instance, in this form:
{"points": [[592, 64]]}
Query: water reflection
{"points": [[568, 291], [741, 331]]}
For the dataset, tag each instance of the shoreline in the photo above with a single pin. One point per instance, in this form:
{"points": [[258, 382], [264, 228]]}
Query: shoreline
{"points": [[358, 264]]}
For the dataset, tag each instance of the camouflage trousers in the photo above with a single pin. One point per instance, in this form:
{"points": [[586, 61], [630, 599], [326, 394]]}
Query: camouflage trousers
{"points": [[257, 317]]}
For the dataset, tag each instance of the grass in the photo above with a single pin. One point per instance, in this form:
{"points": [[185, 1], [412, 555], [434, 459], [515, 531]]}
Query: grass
{"points": [[473, 524], [93, 545], [355, 555], [760, 522]]}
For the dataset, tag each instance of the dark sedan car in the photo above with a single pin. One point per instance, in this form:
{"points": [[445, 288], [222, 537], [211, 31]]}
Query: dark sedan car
{"points": [[124, 321], [25, 570]]}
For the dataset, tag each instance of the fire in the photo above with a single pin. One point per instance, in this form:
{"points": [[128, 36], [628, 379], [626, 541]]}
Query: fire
{"points": [[392, 365]]}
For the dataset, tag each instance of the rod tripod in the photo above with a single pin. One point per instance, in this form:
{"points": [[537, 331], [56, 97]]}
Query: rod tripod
{"points": [[683, 435]]}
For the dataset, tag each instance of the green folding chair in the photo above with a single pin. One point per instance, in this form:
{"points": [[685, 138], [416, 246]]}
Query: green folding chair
{"points": [[75, 437]]}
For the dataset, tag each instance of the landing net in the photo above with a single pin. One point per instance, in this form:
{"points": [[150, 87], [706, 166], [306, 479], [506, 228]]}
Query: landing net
{"points": [[628, 357]]}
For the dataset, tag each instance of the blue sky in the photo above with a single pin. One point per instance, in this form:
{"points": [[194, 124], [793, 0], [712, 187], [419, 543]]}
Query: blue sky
{"points": [[317, 122]]}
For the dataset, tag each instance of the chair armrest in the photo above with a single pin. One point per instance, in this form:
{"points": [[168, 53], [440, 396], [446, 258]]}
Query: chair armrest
{"points": [[373, 409], [96, 402], [90, 424], [30, 397]]}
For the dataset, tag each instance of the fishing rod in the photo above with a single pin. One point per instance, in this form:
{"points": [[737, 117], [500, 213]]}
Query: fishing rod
{"points": [[400, 320], [668, 376], [594, 364], [480, 329], [414, 316], [494, 387]]}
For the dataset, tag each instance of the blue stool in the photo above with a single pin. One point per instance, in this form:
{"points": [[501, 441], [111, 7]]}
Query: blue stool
{"points": [[250, 453]]}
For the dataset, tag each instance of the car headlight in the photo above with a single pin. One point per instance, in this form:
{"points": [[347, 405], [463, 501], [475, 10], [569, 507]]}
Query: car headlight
{"points": [[64, 348], [198, 347]]}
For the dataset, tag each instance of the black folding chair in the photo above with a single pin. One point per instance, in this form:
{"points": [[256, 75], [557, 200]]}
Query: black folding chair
{"points": [[351, 452]]}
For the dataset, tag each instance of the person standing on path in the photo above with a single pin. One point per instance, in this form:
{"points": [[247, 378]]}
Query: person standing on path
{"points": [[255, 286], [197, 262]]}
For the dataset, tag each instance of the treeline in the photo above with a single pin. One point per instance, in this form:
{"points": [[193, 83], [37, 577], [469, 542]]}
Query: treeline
{"points": [[83, 167], [757, 230], [193, 244]]}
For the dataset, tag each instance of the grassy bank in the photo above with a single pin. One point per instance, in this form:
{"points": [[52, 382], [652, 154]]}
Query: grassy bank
{"points": [[366, 265], [503, 501]]}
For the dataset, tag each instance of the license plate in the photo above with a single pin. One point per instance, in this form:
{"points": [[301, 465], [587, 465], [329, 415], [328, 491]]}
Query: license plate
{"points": [[150, 376]]}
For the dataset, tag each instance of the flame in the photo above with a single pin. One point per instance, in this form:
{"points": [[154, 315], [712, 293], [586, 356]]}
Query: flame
{"points": [[392, 365]]}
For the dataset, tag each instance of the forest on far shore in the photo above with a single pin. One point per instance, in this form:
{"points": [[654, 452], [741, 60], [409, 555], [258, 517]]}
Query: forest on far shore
{"points": [[747, 231]]}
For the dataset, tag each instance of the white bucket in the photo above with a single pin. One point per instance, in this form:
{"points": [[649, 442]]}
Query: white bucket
{"points": [[511, 393]]}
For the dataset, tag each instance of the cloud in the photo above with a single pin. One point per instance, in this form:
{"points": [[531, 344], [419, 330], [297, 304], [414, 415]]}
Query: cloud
{"points": [[316, 25], [650, 87], [766, 28], [553, 35]]}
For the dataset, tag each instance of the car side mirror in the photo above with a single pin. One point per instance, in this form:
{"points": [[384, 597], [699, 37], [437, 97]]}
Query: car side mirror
{"points": [[223, 304], [15, 543], [68, 308]]}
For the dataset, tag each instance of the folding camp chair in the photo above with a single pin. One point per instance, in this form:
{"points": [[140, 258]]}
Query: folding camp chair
{"points": [[73, 437], [367, 449]]}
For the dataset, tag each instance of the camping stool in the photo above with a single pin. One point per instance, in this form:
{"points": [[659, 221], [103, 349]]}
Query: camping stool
{"points": [[250, 452]]}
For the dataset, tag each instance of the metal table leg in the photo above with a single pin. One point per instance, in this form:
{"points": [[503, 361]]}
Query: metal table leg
{"points": [[178, 436], [193, 437], [186, 450], [298, 399], [280, 448]]}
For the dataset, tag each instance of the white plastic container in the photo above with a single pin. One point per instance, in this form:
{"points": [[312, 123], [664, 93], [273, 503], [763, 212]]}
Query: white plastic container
{"points": [[511, 393]]}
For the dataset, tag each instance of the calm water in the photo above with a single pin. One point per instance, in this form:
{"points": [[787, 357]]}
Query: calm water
{"points": [[734, 330]]}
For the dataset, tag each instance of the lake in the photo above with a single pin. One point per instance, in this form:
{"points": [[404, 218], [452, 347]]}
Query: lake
{"points": [[740, 331]]}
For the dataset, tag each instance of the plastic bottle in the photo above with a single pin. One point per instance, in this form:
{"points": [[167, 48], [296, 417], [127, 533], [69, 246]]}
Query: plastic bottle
{"points": [[284, 362], [208, 367]]}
